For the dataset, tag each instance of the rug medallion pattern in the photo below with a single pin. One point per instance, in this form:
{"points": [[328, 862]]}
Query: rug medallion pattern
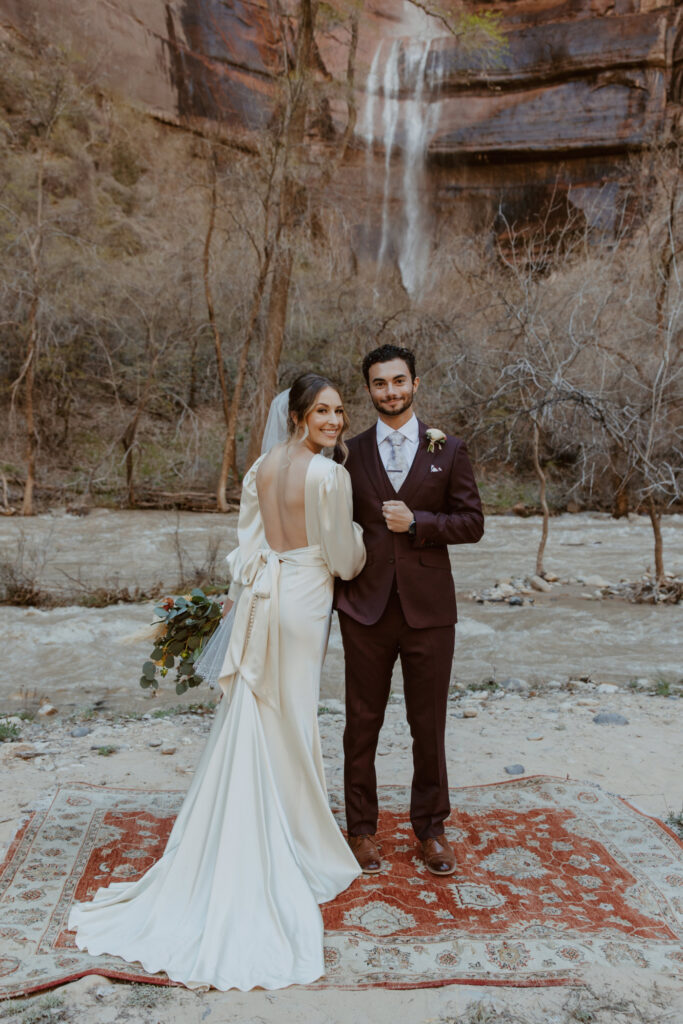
{"points": [[554, 875]]}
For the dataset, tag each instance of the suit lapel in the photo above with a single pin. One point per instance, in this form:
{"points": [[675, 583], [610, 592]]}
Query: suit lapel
{"points": [[422, 464], [373, 466]]}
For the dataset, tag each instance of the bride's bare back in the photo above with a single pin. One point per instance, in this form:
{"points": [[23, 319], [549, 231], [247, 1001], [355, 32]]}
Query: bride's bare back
{"points": [[281, 489]]}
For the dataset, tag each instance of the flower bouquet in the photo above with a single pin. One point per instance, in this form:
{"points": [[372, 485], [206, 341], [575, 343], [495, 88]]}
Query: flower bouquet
{"points": [[180, 633]]}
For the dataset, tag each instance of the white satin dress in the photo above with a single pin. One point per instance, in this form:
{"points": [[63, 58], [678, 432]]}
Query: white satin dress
{"points": [[233, 902]]}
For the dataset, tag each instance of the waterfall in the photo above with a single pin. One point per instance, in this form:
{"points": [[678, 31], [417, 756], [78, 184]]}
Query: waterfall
{"points": [[401, 113]]}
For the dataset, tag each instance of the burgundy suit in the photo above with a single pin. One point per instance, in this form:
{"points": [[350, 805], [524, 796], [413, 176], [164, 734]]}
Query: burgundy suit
{"points": [[403, 605]]}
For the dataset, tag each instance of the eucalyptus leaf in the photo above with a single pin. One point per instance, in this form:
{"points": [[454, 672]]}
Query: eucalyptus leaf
{"points": [[149, 669]]}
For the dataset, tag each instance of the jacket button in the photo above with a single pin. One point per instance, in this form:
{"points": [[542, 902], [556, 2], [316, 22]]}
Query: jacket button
{"points": [[391, 561]]}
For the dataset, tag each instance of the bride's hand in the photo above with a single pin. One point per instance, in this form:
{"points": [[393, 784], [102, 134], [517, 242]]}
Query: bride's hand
{"points": [[227, 605]]}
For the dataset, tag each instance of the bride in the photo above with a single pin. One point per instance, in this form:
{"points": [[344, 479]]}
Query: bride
{"points": [[233, 902]]}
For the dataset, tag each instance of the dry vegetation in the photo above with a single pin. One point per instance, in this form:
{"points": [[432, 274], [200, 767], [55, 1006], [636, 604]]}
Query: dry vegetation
{"points": [[156, 285]]}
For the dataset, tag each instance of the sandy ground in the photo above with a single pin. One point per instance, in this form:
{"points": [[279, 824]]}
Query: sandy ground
{"points": [[552, 732]]}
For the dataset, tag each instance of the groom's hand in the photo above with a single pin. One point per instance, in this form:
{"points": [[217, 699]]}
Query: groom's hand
{"points": [[397, 516]]}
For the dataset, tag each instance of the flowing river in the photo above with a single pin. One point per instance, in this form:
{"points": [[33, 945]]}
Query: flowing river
{"points": [[74, 655]]}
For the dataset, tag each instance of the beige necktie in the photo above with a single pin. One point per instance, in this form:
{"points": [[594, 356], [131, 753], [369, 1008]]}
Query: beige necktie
{"points": [[397, 467]]}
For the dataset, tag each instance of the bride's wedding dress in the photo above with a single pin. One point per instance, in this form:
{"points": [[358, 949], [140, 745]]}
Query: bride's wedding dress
{"points": [[233, 902]]}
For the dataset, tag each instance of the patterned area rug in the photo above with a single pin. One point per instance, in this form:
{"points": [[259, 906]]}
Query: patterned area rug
{"points": [[554, 875]]}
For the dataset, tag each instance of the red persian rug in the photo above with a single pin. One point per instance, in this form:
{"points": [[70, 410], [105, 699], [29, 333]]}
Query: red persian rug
{"points": [[553, 876]]}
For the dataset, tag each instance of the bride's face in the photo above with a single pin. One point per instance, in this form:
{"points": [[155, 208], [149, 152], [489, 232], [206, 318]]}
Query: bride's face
{"points": [[325, 421]]}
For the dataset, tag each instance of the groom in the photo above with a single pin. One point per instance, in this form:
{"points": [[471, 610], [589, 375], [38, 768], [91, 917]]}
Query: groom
{"points": [[413, 493]]}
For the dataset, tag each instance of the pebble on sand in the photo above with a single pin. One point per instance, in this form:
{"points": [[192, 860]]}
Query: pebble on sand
{"points": [[515, 769], [514, 685], [609, 718], [46, 710]]}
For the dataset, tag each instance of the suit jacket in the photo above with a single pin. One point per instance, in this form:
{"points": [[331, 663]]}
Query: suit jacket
{"points": [[441, 491]]}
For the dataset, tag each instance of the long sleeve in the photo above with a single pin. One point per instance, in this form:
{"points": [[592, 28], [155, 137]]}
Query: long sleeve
{"points": [[250, 535], [340, 539], [462, 521]]}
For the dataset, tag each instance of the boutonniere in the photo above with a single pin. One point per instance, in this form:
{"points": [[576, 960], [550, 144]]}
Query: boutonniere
{"points": [[436, 439]]}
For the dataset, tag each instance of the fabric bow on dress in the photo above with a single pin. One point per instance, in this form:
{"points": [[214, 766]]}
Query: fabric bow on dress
{"points": [[254, 648]]}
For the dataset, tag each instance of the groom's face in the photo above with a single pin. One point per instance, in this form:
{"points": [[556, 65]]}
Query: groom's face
{"points": [[391, 387]]}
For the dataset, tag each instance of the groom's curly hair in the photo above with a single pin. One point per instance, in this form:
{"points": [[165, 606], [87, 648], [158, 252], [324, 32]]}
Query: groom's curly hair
{"points": [[384, 354]]}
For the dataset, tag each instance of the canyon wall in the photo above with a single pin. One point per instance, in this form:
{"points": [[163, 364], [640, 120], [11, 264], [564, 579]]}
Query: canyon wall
{"points": [[581, 85]]}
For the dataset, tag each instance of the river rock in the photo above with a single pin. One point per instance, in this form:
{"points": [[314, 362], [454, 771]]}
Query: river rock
{"points": [[514, 685], [516, 601], [168, 750], [47, 710], [607, 688], [538, 583], [515, 769], [610, 718], [80, 730], [469, 713], [24, 750], [596, 581]]}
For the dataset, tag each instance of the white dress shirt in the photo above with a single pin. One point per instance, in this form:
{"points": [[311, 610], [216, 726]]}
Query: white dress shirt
{"points": [[410, 430]]}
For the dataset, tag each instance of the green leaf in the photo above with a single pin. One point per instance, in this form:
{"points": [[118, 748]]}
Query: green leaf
{"points": [[180, 688], [149, 669], [169, 661], [145, 682], [157, 654]]}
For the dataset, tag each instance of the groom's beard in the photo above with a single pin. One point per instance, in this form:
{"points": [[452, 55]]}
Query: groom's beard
{"points": [[393, 410]]}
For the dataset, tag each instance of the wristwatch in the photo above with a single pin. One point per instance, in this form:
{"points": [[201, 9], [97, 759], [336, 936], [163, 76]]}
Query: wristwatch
{"points": [[412, 529]]}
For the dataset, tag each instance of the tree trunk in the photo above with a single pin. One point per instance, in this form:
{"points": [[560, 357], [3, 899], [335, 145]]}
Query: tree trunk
{"points": [[656, 520], [27, 504], [620, 503], [129, 435], [272, 349], [35, 250], [229, 463], [544, 504], [128, 442], [206, 266]]}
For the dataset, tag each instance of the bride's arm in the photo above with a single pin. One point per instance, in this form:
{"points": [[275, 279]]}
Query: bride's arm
{"points": [[341, 539], [249, 534]]}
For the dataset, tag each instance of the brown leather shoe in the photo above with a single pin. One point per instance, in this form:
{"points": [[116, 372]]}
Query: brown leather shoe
{"points": [[366, 852], [438, 856]]}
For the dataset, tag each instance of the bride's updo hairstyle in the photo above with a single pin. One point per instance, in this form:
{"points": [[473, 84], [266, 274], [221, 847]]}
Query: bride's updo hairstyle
{"points": [[303, 396]]}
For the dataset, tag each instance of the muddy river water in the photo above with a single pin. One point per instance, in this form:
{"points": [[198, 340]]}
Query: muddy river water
{"points": [[74, 655]]}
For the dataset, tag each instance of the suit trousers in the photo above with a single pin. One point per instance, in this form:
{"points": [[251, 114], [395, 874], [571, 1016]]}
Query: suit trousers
{"points": [[426, 655]]}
